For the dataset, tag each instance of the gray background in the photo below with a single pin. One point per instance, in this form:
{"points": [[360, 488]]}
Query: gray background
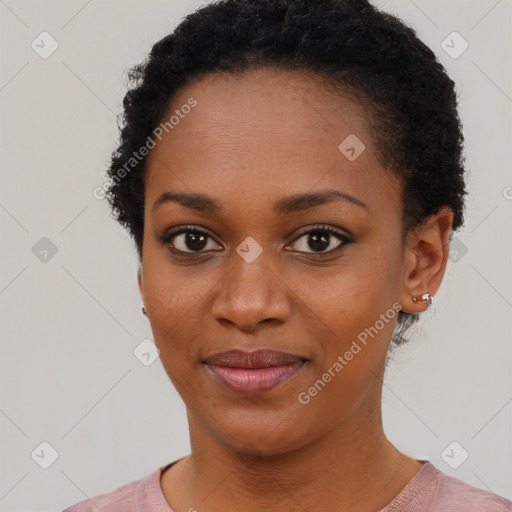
{"points": [[71, 320]]}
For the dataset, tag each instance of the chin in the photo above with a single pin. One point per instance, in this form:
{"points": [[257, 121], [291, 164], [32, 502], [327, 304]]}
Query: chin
{"points": [[260, 434]]}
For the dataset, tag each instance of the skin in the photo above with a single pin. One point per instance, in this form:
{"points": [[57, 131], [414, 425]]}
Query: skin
{"points": [[251, 140]]}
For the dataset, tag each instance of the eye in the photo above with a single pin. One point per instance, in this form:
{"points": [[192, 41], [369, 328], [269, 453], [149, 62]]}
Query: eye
{"points": [[321, 238], [188, 239]]}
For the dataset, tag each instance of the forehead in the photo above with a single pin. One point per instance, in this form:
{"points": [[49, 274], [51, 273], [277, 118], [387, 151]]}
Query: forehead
{"points": [[266, 133]]}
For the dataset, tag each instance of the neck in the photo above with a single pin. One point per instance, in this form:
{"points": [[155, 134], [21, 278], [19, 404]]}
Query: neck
{"points": [[352, 467]]}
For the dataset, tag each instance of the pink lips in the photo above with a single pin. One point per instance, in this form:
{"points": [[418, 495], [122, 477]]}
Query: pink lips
{"points": [[253, 372]]}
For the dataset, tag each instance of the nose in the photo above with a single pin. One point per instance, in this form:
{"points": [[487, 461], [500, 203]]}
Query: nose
{"points": [[251, 294]]}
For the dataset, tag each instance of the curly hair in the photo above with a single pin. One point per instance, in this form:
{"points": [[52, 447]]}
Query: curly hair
{"points": [[348, 44]]}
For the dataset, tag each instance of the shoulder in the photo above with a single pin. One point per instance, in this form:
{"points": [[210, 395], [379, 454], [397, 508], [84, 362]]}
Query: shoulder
{"points": [[131, 497], [458, 496]]}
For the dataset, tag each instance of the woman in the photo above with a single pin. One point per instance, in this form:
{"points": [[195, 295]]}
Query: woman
{"points": [[291, 172]]}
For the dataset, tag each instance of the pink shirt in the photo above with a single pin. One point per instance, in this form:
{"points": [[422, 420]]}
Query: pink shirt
{"points": [[429, 490]]}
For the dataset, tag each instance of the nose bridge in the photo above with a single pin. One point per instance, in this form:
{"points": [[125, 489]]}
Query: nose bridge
{"points": [[250, 291]]}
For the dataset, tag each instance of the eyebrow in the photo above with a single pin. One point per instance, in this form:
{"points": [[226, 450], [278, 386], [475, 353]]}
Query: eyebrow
{"points": [[286, 205]]}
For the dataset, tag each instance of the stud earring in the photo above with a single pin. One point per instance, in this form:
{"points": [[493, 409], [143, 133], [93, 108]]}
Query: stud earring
{"points": [[426, 298], [143, 309]]}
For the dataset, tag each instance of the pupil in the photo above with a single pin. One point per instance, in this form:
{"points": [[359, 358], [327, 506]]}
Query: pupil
{"points": [[318, 242], [195, 241]]}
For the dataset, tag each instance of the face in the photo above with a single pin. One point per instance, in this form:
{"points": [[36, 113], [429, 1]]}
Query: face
{"points": [[297, 249]]}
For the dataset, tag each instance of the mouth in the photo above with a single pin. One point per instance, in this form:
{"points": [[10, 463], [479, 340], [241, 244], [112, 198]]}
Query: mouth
{"points": [[251, 373]]}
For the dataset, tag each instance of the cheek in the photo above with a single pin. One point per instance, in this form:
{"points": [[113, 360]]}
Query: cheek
{"points": [[172, 303], [352, 294], [354, 307], [174, 293]]}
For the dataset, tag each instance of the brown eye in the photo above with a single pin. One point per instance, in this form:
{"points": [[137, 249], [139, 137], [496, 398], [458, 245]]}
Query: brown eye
{"points": [[189, 240], [321, 241]]}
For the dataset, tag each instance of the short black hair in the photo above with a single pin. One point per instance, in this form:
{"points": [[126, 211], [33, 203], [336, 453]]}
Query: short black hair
{"points": [[349, 44]]}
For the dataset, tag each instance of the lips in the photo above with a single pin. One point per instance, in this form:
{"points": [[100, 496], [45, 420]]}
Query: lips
{"points": [[256, 359], [253, 372]]}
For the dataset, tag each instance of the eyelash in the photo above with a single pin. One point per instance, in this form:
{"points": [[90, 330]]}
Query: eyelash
{"points": [[166, 238]]}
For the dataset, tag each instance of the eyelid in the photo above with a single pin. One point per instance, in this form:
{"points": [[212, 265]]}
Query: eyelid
{"points": [[197, 228], [323, 227]]}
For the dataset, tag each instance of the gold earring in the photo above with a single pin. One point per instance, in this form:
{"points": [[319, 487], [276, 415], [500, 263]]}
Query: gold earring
{"points": [[426, 298]]}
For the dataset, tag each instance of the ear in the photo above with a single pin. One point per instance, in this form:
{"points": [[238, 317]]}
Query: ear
{"points": [[139, 281], [426, 256]]}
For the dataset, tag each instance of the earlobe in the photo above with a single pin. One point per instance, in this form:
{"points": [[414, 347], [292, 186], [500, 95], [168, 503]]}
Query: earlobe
{"points": [[414, 302]]}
